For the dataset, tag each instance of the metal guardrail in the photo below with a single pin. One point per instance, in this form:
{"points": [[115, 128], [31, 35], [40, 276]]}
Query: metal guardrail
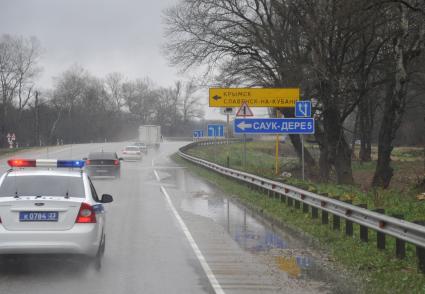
{"points": [[400, 229]]}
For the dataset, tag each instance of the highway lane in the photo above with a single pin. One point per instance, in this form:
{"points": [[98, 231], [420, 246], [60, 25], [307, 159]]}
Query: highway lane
{"points": [[170, 232]]}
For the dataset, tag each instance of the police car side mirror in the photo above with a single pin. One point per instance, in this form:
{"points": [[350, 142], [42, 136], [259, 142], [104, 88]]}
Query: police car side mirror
{"points": [[106, 198], [84, 158], [121, 159]]}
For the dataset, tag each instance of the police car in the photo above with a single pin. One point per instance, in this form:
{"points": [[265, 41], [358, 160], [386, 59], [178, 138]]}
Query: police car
{"points": [[51, 206]]}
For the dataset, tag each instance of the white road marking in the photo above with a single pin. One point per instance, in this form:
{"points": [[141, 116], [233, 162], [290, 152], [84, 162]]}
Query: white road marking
{"points": [[208, 272], [157, 176], [153, 161], [210, 275]]}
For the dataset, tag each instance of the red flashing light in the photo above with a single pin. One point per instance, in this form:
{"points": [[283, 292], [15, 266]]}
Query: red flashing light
{"points": [[21, 163], [88, 162], [116, 162], [86, 215]]}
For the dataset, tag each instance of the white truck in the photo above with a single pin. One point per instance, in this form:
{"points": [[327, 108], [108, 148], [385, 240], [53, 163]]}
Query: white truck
{"points": [[150, 135]]}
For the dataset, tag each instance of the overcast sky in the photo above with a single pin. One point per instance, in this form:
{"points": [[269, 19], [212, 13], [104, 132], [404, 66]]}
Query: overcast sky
{"points": [[102, 36]]}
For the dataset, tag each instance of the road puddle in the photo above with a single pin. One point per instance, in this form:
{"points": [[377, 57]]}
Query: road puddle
{"points": [[288, 253]]}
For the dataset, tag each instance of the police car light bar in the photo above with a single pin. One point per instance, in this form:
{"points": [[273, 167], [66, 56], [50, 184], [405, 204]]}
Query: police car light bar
{"points": [[45, 163]]}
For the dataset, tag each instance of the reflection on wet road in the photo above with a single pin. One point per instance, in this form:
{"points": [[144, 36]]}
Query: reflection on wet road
{"points": [[248, 232]]}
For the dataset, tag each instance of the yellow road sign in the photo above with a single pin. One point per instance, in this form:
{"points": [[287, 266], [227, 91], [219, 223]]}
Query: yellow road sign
{"points": [[255, 97]]}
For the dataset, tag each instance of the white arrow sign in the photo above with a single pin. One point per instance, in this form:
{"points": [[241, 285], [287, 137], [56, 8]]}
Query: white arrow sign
{"points": [[244, 126], [302, 109]]}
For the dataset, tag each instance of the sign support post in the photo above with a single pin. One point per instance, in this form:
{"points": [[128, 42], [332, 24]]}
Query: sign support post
{"points": [[244, 151], [302, 156], [244, 111], [277, 149], [227, 136]]}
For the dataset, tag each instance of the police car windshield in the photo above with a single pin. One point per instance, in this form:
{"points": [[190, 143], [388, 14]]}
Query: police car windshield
{"points": [[42, 185]]}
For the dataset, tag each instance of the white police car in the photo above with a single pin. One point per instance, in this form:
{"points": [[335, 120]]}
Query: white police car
{"points": [[46, 206]]}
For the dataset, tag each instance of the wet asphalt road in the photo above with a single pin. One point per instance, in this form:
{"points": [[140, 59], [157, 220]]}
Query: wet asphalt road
{"points": [[170, 232]]}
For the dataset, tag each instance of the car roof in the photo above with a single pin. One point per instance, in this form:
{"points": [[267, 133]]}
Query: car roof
{"points": [[102, 155], [45, 172]]}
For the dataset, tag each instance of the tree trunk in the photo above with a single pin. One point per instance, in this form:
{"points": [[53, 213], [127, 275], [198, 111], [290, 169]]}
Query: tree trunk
{"points": [[36, 121], [395, 103], [344, 173], [3, 131], [339, 153], [384, 171], [367, 109], [391, 120], [324, 166], [355, 132]]}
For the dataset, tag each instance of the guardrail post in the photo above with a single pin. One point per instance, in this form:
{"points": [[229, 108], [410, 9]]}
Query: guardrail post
{"points": [[305, 207], [348, 223], [420, 252], [364, 236], [281, 197], [400, 245], [314, 212], [297, 204], [289, 201], [336, 222], [325, 217], [380, 237]]}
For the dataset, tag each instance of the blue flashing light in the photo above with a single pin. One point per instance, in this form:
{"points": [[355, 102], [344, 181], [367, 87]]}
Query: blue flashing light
{"points": [[71, 163]]}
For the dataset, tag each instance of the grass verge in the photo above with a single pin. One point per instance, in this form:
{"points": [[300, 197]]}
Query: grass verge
{"points": [[379, 270], [400, 200]]}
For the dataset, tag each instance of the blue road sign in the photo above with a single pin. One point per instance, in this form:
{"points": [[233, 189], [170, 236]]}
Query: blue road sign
{"points": [[198, 134], [303, 109], [274, 126], [215, 130]]}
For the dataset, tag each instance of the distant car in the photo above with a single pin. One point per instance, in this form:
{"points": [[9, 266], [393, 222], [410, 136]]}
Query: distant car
{"points": [[132, 153], [142, 146], [103, 164], [51, 211]]}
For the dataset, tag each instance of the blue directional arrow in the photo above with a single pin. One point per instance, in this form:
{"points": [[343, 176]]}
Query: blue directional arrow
{"points": [[274, 126], [303, 109], [215, 130], [198, 133]]}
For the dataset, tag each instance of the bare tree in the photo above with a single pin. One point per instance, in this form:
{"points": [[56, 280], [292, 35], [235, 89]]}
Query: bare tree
{"points": [[248, 42], [114, 85], [190, 104], [407, 25], [18, 67]]}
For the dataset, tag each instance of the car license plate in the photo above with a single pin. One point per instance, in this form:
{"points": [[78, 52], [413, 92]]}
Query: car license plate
{"points": [[38, 216], [101, 171]]}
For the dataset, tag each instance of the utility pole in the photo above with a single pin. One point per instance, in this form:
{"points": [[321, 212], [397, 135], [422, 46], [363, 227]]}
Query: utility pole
{"points": [[36, 120], [277, 169]]}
